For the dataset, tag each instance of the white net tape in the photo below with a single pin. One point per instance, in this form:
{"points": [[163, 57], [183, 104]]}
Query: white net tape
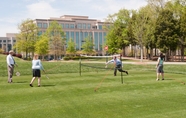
{"points": [[100, 56]]}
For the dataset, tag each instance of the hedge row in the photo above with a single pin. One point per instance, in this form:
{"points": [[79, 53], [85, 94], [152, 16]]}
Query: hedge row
{"points": [[16, 55]]}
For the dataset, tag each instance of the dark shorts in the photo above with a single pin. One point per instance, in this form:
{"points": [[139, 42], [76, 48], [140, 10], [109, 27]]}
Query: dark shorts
{"points": [[160, 69], [36, 72]]}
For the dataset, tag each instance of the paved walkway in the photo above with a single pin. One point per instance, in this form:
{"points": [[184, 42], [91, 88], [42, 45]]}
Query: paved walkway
{"points": [[145, 61], [153, 62]]}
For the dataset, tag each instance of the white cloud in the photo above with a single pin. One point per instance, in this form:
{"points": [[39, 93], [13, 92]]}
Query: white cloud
{"points": [[41, 9], [5, 28]]}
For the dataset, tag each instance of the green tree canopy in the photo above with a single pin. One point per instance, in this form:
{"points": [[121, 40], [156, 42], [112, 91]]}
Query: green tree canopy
{"points": [[88, 46], [42, 45], [117, 37], [166, 31], [27, 37], [71, 47], [57, 39]]}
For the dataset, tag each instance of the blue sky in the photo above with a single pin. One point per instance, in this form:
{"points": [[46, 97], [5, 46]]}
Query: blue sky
{"points": [[13, 12]]}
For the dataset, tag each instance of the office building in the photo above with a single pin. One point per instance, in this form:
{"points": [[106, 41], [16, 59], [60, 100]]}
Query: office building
{"points": [[78, 28], [7, 43]]}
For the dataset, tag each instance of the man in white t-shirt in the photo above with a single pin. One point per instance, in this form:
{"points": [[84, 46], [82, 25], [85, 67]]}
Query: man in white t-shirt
{"points": [[117, 64], [10, 65]]}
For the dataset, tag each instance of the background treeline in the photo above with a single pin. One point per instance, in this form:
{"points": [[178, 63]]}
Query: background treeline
{"points": [[161, 24]]}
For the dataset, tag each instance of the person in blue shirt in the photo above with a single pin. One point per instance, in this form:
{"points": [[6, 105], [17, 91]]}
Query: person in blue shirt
{"points": [[159, 67], [36, 69], [117, 64]]}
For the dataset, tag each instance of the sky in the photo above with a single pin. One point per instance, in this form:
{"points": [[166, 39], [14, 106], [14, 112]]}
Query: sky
{"points": [[13, 12]]}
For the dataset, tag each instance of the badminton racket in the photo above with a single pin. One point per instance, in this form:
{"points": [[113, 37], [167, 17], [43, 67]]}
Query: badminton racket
{"points": [[46, 74], [18, 73]]}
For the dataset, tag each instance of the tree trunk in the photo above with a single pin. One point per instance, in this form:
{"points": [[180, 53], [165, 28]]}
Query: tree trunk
{"points": [[182, 53], [141, 51]]}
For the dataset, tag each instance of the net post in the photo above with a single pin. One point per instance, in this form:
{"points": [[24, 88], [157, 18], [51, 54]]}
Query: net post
{"points": [[80, 65], [106, 56], [121, 68]]}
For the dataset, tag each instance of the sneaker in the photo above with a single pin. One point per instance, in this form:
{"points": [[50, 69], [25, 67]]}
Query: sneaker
{"points": [[127, 72], [163, 79], [157, 79], [31, 85], [38, 85]]}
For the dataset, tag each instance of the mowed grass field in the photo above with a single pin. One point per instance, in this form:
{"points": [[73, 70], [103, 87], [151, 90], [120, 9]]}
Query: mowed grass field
{"points": [[66, 94]]}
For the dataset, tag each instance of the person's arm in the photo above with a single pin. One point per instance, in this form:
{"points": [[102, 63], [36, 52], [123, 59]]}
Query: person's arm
{"points": [[158, 62], [41, 66], [15, 62], [111, 61]]}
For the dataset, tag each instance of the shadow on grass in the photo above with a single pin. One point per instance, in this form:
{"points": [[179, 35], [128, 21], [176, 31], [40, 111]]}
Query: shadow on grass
{"points": [[169, 79], [47, 85], [21, 82]]}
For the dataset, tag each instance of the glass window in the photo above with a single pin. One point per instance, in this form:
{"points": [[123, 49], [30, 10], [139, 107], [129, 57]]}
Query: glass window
{"points": [[72, 26], [79, 26], [62, 25], [88, 26], [72, 35], [67, 37], [96, 38], [66, 25], [9, 40], [100, 27], [86, 34], [84, 26], [9, 46], [45, 25], [39, 25], [0, 40], [90, 34], [77, 41], [4, 41], [104, 35], [81, 39], [100, 40]]}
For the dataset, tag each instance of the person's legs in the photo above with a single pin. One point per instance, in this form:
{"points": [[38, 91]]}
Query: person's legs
{"points": [[157, 76], [32, 81], [162, 75], [115, 71], [39, 81], [120, 69], [10, 73]]}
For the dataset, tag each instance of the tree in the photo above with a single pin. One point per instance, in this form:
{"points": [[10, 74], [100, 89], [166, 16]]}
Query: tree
{"points": [[27, 37], [117, 37], [88, 46], [42, 45], [179, 9], [166, 31], [71, 47], [56, 39], [139, 27]]}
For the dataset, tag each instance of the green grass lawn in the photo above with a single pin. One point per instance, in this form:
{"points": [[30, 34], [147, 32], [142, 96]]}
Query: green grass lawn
{"points": [[68, 95]]}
